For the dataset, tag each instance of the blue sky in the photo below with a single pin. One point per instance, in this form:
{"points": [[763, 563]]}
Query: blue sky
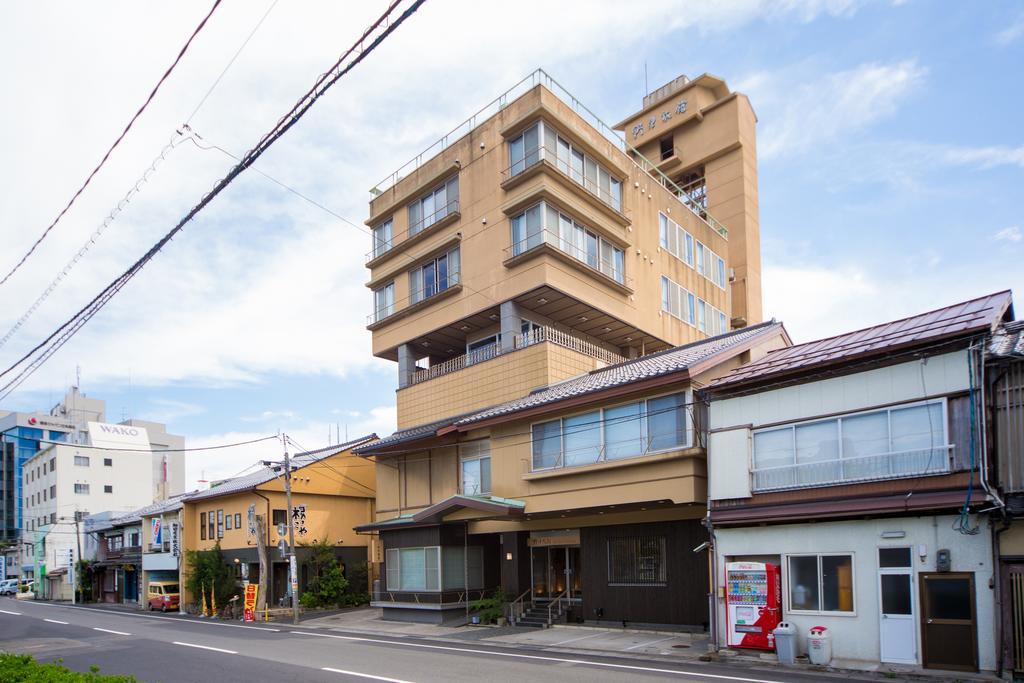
{"points": [[891, 162]]}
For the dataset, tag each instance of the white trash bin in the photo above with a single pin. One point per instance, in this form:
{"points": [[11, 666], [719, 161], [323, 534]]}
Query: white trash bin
{"points": [[785, 642], [819, 646]]}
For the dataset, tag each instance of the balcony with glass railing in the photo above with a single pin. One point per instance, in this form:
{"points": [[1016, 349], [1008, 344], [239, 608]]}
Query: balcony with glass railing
{"points": [[421, 297], [600, 184], [834, 471], [540, 77], [587, 251]]}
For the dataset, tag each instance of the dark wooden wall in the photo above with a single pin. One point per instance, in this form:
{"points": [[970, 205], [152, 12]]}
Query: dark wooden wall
{"points": [[682, 601]]}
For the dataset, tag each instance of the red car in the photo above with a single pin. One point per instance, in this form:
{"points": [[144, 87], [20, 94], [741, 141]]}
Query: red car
{"points": [[163, 595]]}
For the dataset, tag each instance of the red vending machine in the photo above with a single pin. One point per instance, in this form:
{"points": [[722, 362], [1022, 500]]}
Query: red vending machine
{"points": [[752, 603]]}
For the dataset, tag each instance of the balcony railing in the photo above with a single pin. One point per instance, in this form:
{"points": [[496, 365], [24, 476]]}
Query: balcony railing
{"points": [[894, 465], [423, 294], [540, 77], [549, 157], [535, 336], [553, 239], [381, 247]]}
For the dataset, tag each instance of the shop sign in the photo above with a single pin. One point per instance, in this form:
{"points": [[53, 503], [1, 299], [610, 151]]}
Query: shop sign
{"points": [[156, 527], [540, 539], [665, 117], [175, 540], [251, 590]]}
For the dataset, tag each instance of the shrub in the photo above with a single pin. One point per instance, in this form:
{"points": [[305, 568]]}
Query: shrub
{"points": [[24, 668], [207, 569], [490, 609]]}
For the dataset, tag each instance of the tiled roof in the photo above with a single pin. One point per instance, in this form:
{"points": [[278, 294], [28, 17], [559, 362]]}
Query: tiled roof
{"points": [[403, 435], [661, 363], [1008, 340], [265, 474], [135, 516], [488, 505], [959, 320]]}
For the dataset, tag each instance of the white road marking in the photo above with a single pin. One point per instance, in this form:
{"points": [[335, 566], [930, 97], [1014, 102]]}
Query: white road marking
{"points": [[54, 621], [181, 620], [356, 673], [207, 647], [652, 642], [516, 655], [107, 630], [573, 640], [17, 614]]}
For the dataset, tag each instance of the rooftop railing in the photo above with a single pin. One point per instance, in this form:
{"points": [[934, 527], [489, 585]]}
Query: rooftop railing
{"points": [[540, 77], [535, 336]]}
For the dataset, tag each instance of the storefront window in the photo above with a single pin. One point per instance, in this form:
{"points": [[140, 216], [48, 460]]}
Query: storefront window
{"points": [[821, 583]]}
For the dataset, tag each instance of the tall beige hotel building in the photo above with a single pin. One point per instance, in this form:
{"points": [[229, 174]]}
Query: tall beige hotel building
{"points": [[552, 290]]}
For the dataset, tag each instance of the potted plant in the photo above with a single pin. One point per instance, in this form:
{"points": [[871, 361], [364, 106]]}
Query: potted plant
{"points": [[491, 610]]}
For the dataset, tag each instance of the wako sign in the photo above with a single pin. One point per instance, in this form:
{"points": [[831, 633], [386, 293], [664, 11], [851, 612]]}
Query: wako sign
{"points": [[107, 435]]}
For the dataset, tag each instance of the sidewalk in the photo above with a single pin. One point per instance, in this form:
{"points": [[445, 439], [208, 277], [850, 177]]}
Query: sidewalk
{"points": [[615, 642]]}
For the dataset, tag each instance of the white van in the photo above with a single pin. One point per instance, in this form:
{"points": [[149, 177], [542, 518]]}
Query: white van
{"points": [[9, 587]]}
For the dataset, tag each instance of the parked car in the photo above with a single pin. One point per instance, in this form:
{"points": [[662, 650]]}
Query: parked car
{"points": [[8, 587], [163, 595]]}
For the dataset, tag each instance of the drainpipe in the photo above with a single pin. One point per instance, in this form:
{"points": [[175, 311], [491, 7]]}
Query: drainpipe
{"points": [[712, 580], [982, 412]]}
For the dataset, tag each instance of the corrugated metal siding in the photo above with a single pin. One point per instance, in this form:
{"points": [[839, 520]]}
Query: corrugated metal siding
{"points": [[1008, 406]]}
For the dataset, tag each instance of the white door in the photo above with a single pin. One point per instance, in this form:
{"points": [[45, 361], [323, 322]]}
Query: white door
{"points": [[898, 625]]}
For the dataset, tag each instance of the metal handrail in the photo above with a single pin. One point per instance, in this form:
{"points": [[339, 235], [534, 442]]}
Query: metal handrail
{"points": [[939, 467], [540, 155], [557, 601], [454, 279], [540, 77], [383, 247], [517, 608]]}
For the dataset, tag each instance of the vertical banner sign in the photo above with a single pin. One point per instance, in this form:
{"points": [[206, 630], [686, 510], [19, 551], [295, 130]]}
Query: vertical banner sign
{"points": [[250, 601], [3, 567], [252, 519], [294, 577], [71, 567], [156, 527], [175, 541], [299, 519]]}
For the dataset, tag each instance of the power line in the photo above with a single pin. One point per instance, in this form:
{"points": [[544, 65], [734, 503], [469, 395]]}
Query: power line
{"points": [[152, 94], [49, 442], [80, 254], [59, 337], [231, 61]]}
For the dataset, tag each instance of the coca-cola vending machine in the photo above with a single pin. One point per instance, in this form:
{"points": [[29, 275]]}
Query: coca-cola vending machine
{"points": [[753, 604]]}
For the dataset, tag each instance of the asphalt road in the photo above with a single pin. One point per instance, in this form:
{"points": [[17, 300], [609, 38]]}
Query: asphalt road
{"points": [[170, 648]]}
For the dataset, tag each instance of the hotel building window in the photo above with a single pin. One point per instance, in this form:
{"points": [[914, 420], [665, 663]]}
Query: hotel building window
{"points": [[382, 237], [710, 265], [615, 433], [435, 276], [681, 303], [433, 568], [81, 460], [675, 240], [544, 224], [383, 301], [541, 142], [434, 206], [894, 442], [475, 465], [82, 488]]}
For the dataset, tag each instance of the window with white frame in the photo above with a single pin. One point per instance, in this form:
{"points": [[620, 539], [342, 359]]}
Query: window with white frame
{"points": [[82, 488], [681, 303], [710, 265], [384, 301], [475, 467], [901, 441], [820, 583], [81, 460], [615, 433], [542, 142], [543, 223], [435, 276], [433, 568], [382, 237], [675, 240], [433, 206]]}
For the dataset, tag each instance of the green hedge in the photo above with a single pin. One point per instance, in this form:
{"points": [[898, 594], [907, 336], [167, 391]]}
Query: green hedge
{"points": [[18, 668]]}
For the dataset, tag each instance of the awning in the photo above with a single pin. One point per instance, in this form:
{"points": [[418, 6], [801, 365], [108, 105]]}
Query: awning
{"points": [[55, 573], [493, 507]]}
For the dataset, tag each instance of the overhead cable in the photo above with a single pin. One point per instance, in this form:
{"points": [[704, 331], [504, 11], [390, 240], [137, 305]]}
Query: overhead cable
{"points": [[38, 355], [152, 94]]}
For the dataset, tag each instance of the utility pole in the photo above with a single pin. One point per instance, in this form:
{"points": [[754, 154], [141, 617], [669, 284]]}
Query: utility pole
{"points": [[73, 570], [293, 573]]}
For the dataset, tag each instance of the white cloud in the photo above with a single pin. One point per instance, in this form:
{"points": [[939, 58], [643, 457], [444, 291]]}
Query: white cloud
{"points": [[166, 410], [1010, 234], [825, 108], [220, 464], [1011, 33], [984, 157]]}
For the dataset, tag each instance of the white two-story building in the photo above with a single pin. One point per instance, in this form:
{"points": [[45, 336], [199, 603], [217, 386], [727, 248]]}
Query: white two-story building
{"points": [[856, 464]]}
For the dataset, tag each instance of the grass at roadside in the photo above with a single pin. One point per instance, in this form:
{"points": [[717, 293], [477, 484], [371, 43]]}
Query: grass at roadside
{"points": [[16, 668]]}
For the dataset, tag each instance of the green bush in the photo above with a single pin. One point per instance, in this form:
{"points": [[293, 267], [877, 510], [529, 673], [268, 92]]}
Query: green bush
{"points": [[16, 668], [207, 569], [490, 609]]}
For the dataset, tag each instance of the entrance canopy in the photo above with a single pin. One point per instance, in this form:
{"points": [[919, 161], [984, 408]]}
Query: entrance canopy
{"points": [[492, 507]]}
